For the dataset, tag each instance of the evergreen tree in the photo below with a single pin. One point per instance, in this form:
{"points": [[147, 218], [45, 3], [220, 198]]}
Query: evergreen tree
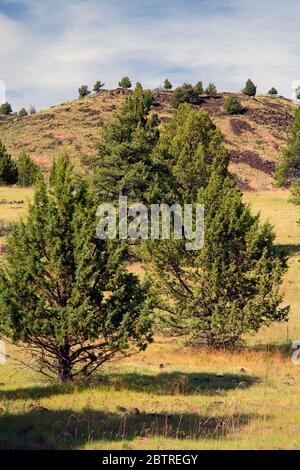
{"points": [[198, 88], [272, 91], [8, 167], [228, 288], [5, 108], [124, 164], [191, 147], [250, 88], [232, 105], [83, 91], [65, 293], [297, 93], [98, 86], [184, 94], [28, 171], [211, 90], [22, 112], [289, 168], [167, 84], [125, 83]]}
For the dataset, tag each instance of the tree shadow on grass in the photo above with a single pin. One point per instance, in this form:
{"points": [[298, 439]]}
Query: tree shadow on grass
{"points": [[173, 383], [177, 383], [66, 429], [289, 249], [284, 349]]}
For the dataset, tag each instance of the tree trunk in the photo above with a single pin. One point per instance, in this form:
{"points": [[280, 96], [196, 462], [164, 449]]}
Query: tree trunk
{"points": [[64, 364]]}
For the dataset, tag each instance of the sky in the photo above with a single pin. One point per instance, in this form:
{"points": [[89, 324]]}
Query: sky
{"points": [[48, 48]]}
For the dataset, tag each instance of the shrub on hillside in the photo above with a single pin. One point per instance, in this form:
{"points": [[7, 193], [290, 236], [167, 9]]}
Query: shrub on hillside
{"points": [[184, 94], [98, 86], [272, 91], [83, 91], [167, 84], [211, 90], [232, 105], [22, 112], [198, 88], [125, 83]]}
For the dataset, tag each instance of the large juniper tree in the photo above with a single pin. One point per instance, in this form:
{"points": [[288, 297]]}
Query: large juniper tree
{"points": [[64, 293]]}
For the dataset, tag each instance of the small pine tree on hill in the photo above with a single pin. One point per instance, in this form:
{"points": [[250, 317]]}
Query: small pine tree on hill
{"points": [[63, 292], [98, 86], [232, 105], [125, 83], [5, 108], [22, 112], [198, 88], [288, 169], [167, 84], [184, 94], [211, 90], [83, 91], [250, 88], [272, 91]]}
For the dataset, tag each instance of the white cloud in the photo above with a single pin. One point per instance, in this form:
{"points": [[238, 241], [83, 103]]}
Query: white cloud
{"points": [[59, 45]]}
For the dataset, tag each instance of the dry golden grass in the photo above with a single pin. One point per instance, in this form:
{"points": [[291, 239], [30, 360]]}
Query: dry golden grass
{"points": [[170, 396], [20, 196]]}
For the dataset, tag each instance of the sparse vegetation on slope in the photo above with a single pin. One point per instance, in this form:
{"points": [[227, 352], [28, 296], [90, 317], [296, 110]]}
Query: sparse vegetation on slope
{"points": [[261, 129]]}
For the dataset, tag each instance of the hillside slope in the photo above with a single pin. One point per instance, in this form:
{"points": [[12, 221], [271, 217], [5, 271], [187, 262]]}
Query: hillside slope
{"points": [[255, 138]]}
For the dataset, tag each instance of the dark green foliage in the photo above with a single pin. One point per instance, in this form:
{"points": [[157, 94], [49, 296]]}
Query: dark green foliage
{"points": [[124, 164], [65, 293], [8, 167], [232, 105], [198, 88], [184, 94], [167, 84], [28, 171], [272, 91], [5, 108], [125, 83], [211, 90], [250, 88], [191, 147], [83, 91], [230, 287], [297, 93], [289, 168], [98, 86], [22, 112]]}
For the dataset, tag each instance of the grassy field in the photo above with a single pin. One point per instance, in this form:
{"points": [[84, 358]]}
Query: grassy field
{"points": [[171, 396]]}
